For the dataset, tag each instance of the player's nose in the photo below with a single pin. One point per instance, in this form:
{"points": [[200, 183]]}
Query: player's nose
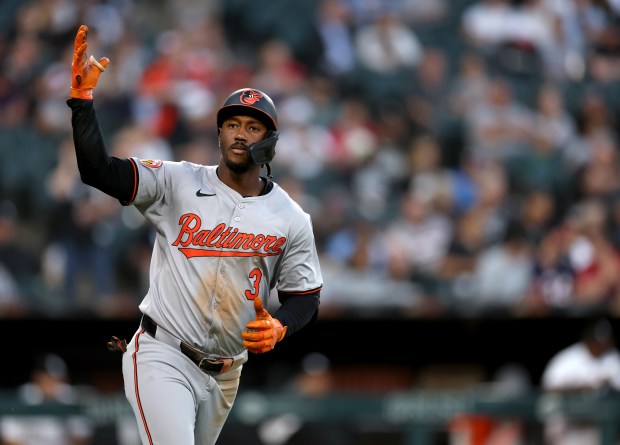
{"points": [[241, 133]]}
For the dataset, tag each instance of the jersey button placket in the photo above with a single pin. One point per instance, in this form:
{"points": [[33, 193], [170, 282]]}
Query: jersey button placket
{"points": [[241, 205]]}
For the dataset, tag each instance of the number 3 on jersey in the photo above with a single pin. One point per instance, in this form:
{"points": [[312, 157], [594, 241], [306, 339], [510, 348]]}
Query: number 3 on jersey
{"points": [[255, 276]]}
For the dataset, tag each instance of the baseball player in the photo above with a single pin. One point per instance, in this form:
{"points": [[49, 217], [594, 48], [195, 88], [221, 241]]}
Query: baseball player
{"points": [[225, 237]]}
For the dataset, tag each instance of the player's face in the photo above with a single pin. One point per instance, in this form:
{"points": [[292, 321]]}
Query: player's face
{"points": [[236, 135]]}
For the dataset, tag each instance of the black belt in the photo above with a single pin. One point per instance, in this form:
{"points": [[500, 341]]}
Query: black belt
{"points": [[206, 362]]}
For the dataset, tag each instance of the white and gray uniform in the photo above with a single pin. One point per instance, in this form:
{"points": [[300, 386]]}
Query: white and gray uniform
{"points": [[214, 252]]}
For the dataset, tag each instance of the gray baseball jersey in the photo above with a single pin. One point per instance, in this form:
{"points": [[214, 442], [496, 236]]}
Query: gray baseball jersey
{"points": [[215, 251]]}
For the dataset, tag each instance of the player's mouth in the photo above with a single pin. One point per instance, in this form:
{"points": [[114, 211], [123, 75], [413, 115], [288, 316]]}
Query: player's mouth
{"points": [[239, 148]]}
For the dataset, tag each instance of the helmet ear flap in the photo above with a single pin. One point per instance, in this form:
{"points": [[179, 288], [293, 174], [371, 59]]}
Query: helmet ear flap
{"points": [[263, 152]]}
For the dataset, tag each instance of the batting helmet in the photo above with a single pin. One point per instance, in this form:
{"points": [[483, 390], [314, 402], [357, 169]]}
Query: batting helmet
{"points": [[255, 103]]}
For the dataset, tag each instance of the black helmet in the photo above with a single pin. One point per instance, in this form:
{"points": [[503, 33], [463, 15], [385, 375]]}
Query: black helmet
{"points": [[249, 102], [255, 103]]}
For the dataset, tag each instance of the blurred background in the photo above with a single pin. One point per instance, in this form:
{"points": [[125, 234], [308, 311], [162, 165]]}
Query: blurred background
{"points": [[459, 159]]}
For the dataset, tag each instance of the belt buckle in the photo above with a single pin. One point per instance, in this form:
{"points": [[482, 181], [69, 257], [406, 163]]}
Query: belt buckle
{"points": [[211, 366]]}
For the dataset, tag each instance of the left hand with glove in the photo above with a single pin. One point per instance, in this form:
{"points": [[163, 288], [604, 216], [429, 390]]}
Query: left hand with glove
{"points": [[85, 71], [264, 332]]}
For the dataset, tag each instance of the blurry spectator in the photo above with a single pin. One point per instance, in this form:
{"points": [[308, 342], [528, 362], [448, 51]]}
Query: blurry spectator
{"points": [[376, 179], [303, 148], [393, 126], [594, 258], [387, 45], [469, 84], [354, 135], [388, 50], [512, 261], [430, 84], [334, 24], [358, 271], [499, 127], [492, 198], [360, 246], [598, 176], [604, 57], [427, 174], [323, 93], [17, 257], [539, 166], [175, 85], [49, 386], [532, 29], [50, 117], [23, 61], [590, 366], [463, 187], [594, 125], [483, 23], [417, 241], [130, 59], [517, 37], [579, 23], [528, 49], [553, 282], [538, 213], [458, 265], [552, 121], [14, 104]]}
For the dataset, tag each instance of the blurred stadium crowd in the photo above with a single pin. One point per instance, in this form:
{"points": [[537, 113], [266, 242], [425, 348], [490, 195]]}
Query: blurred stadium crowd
{"points": [[458, 157]]}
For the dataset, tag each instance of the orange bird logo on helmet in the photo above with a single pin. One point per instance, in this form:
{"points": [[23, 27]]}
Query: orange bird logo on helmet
{"points": [[250, 97]]}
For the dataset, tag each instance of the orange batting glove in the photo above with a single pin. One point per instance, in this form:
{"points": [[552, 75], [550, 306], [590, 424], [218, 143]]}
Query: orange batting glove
{"points": [[85, 71], [264, 332]]}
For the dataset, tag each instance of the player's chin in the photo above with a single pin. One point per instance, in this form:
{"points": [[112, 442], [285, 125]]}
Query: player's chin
{"points": [[239, 163]]}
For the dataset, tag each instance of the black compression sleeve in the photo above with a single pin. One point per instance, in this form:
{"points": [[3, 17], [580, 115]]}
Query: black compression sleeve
{"points": [[296, 311], [113, 176]]}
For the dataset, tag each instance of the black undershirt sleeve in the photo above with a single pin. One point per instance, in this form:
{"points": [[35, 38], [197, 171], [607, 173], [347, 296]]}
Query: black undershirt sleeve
{"points": [[296, 311], [113, 176]]}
